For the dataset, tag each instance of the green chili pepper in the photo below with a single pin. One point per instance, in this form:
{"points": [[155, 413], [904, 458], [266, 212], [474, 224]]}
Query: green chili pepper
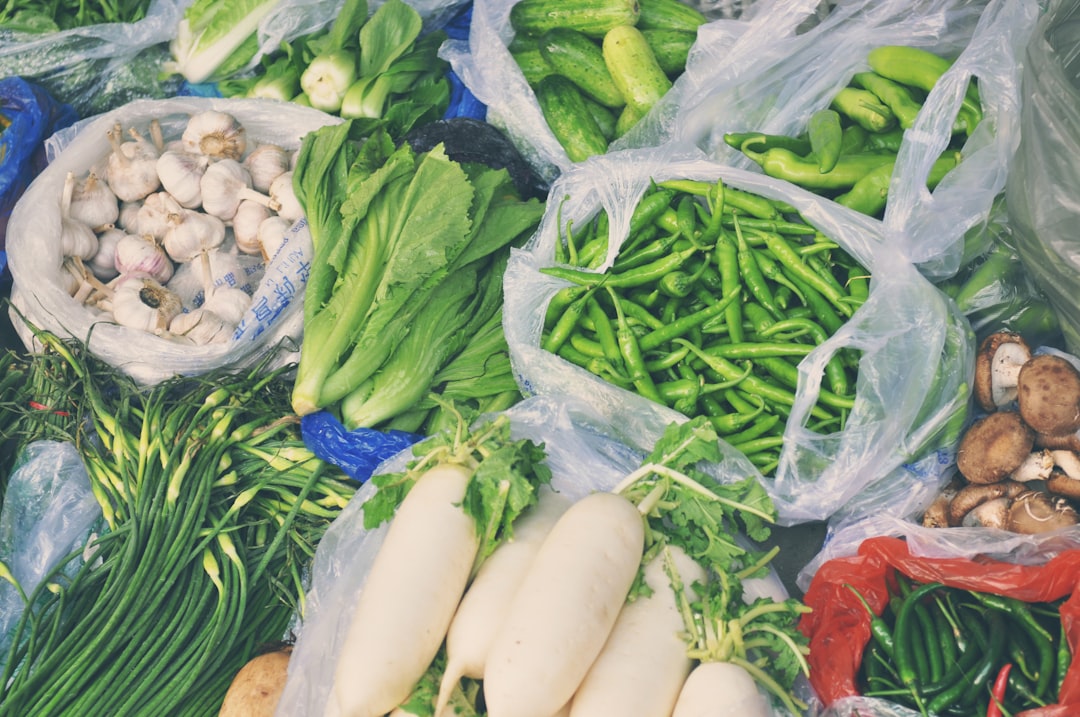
{"points": [[638, 276], [758, 428], [737, 200], [879, 629], [894, 95], [889, 140], [677, 328], [853, 139], [752, 277], [560, 332], [633, 361], [632, 257], [605, 335], [863, 108], [826, 138], [728, 265], [800, 271], [869, 194], [849, 169], [763, 141]]}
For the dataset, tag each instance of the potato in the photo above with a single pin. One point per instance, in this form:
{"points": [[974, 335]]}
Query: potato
{"points": [[257, 687]]}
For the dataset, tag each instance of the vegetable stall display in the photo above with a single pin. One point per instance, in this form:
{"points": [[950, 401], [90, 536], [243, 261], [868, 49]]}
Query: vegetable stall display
{"points": [[211, 505]]}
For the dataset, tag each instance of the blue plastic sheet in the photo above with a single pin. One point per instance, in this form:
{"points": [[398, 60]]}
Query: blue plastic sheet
{"points": [[357, 452], [31, 115], [463, 103]]}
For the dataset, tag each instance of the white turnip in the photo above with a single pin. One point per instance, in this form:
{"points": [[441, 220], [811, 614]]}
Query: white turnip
{"points": [[412, 590], [564, 610], [720, 689]]}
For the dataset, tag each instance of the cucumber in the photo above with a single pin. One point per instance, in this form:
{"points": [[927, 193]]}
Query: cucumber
{"points": [[532, 64], [576, 56], [671, 48], [605, 117], [669, 15], [634, 68], [626, 120], [592, 17], [569, 119]]}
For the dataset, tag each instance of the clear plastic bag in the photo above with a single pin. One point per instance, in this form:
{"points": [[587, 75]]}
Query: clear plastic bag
{"points": [[1042, 185], [772, 81], [913, 375], [34, 251], [98, 67], [583, 456], [48, 511]]}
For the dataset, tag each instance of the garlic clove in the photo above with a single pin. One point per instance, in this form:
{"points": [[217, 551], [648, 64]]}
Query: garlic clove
{"points": [[216, 134], [245, 225]]}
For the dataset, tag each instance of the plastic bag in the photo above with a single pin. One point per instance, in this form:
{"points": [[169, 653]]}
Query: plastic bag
{"points": [[1032, 568], [31, 115], [48, 511], [583, 457], [1042, 186], [488, 70], [772, 81], [34, 254], [357, 452], [913, 376], [98, 67]]}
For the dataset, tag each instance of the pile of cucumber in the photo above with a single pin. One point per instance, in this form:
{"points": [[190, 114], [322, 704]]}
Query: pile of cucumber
{"points": [[598, 66]]}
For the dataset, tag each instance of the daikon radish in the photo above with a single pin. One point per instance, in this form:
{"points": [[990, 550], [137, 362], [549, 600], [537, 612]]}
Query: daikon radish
{"points": [[412, 590], [488, 596], [720, 689], [564, 610], [644, 662]]}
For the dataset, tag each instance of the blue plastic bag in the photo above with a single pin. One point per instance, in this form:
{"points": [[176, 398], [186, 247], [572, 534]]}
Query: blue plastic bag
{"points": [[31, 114], [357, 452]]}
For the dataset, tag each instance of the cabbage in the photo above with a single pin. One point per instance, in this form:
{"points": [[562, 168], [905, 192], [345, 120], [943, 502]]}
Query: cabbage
{"points": [[216, 39]]}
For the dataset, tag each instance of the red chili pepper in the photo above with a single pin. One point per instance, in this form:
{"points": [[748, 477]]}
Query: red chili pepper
{"points": [[997, 696]]}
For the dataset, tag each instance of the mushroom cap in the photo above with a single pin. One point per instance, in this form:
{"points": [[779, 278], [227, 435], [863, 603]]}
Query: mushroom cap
{"points": [[974, 495], [1061, 483], [1001, 354], [1049, 394], [994, 446], [1064, 441], [1034, 511]]}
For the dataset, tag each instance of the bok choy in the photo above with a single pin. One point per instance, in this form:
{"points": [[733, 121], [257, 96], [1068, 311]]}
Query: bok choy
{"points": [[217, 39]]}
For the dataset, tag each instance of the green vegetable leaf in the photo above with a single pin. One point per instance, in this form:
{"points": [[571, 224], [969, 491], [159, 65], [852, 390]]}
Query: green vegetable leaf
{"points": [[388, 34], [215, 39]]}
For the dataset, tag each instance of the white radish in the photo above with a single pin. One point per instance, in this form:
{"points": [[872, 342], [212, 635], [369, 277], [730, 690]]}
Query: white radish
{"points": [[720, 689], [409, 596], [488, 597], [565, 607], [644, 662]]}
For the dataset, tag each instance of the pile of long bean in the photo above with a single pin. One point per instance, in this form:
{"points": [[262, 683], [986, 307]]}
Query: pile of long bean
{"points": [[715, 297], [948, 651], [212, 508]]}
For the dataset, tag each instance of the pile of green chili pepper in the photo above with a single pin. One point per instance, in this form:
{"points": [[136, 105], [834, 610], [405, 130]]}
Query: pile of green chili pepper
{"points": [[949, 651], [848, 150], [715, 297]]}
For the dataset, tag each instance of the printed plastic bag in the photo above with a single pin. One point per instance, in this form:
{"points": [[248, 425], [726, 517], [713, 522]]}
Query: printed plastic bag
{"points": [[1042, 186], [35, 257], [1032, 568], [98, 67], [913, 375], [31, 115], [48, 511], [486, 67], [772, 82], [583, 457]]}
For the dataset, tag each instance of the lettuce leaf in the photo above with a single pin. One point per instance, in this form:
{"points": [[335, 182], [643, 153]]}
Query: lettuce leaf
{"points": [[216, 39]]}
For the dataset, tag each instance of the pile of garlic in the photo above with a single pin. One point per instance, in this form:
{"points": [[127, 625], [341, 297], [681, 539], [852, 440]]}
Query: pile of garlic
{"points": [[154, 215]]}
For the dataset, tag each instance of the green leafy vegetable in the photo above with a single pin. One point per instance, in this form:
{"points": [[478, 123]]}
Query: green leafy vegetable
{"points": [[217, 39], [37, 16]]}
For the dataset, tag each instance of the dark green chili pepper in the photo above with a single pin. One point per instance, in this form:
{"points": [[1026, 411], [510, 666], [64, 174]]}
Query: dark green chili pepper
{"points": [[559, 302], [677, 328], [728, 265], [1019, 613], [879, 629], [1063, 657], [605, 334], [633, 361], [760, 427], [771, 271], [736, 140], [799, 270], [742, 202], [864, 108], [654, 250], [903, 654], [935, 668], [826, 138], [638, 276], [894, 95], [562, 329], [849, 169], [651, 205], [752, 277]]}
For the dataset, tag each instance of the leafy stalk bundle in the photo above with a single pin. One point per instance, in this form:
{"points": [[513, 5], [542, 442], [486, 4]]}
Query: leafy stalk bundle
{"points": [[56, 15], [409, 252], [212, 508]]}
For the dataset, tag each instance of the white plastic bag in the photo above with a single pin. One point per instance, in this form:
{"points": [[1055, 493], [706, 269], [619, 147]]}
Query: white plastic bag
{"points": [[35, 257], [913, 374], [583, 457], [772, 82]]}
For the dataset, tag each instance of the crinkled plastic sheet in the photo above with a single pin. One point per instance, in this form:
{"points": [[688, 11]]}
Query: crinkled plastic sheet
{"points": [[1042, 188], [584, 455], [772, 81], [273, 322], [917, 348]]}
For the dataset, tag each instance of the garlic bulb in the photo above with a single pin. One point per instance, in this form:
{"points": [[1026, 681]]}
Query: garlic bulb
{"points": [[216, 134], [153, 215], [77, 238], [181, 175], [103, 263], [281, 191], [143, 255], [192, 233], [265, 163], [131, 170], [128, 219], [93, 202], [224, 185], [272, 231], [245, 225], [228, 302], [202, 327], [140, 302]]}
